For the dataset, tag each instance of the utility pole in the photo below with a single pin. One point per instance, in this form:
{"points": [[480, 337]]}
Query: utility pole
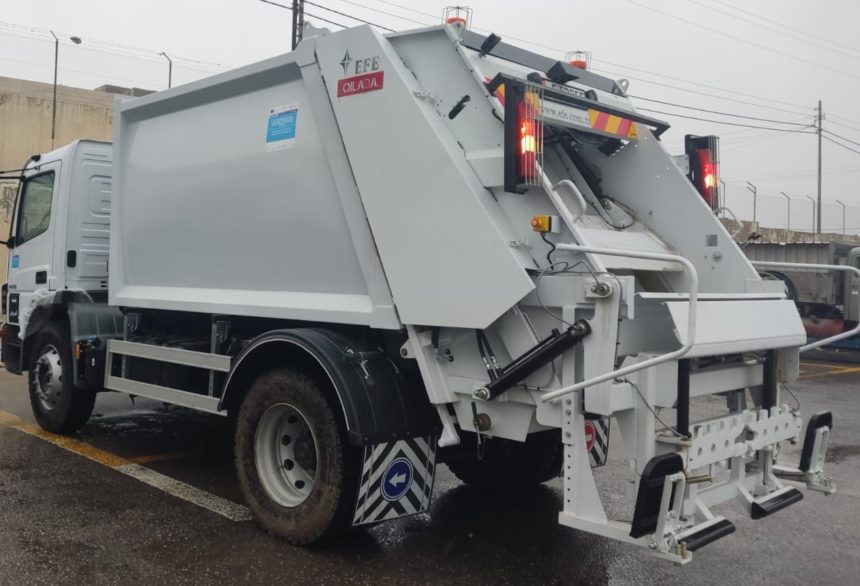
{"points": [[788, 218], [77, 41], [820, 118], [813, 217], [169, 70], [298, 21], [843, 216], [752, 188]]}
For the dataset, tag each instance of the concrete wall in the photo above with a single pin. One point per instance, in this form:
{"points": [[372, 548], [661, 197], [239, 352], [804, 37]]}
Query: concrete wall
{"points": [[743, 229], [25, 129]]}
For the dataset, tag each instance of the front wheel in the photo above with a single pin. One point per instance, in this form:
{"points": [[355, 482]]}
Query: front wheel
{"points": [[296, 470], [57, 405]]}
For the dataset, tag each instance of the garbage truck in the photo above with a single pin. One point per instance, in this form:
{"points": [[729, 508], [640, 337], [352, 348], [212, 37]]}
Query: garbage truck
{"points": [[381, 252]]}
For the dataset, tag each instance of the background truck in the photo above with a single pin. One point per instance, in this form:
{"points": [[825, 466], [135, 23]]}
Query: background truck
{"points": [[827, 300], [380, 252]]}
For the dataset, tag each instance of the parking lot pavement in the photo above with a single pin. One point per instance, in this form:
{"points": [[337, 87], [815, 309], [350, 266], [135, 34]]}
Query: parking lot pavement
{"points": [[70, 512]]}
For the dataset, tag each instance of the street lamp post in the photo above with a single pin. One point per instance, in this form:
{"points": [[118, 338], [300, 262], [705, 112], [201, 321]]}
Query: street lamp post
{"points": [[810, 198], [77, 41], [722, 204], [843, 216], [788, 217], [752, 188], [169, 70]]}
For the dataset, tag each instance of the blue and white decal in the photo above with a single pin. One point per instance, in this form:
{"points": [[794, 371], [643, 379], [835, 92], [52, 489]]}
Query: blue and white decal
{"points": [[397, 479], [281, 127], [16, 261]]}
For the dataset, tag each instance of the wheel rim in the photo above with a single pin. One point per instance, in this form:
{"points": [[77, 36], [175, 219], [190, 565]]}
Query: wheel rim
{"points": [[48, 378], [285, 455]]}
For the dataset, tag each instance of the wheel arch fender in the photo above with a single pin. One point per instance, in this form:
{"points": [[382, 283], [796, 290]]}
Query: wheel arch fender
{"points": [[86, 320], [52, 307], [378, 400]]}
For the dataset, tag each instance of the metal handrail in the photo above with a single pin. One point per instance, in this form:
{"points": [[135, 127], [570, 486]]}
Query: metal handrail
{"points": [[734, 217], [799, 265], [693, 281]]}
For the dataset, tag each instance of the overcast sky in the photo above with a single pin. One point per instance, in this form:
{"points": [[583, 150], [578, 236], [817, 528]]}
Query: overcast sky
{"points": [[772, 59]]}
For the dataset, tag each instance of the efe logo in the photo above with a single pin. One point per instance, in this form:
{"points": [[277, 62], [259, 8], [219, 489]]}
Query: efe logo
{"points": [[366, 76]]}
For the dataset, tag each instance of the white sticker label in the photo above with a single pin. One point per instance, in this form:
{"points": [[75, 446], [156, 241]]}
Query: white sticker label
{"points": [[563, 114], [281, 127]]}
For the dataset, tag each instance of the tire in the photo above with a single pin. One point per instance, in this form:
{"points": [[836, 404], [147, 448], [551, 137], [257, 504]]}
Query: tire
{"points": [[509, 464], [296, 470], [57, 405]]}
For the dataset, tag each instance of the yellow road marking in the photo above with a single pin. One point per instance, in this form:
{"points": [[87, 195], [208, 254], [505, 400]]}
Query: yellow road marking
{"points": [[821, 365], [163, 457], [67, 443], [132, 467], [844, 370]]}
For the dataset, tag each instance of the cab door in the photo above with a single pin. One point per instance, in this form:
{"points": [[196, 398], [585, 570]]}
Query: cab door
{"points": [[32, 254]]}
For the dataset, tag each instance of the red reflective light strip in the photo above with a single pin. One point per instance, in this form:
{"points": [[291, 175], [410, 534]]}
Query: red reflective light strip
{"points": [[527, 143], [708, 176]]}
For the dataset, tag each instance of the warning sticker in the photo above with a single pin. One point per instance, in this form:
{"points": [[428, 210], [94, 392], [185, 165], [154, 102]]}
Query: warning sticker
{"points": [[281, 129]]}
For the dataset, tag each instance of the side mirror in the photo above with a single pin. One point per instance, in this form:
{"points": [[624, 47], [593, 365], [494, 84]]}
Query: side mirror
{"points": [[10, 244]]}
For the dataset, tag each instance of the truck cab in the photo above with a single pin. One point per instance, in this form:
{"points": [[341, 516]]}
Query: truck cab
{"points": [[59, 238]]}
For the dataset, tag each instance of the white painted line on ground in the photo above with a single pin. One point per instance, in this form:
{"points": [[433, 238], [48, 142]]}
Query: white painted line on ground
{"points": [[186, 492], [181, 490]]}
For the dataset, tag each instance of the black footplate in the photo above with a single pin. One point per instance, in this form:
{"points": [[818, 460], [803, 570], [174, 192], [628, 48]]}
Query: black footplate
{"points": [[651, 493], [821, 419], [708, 535], [777, 503]]}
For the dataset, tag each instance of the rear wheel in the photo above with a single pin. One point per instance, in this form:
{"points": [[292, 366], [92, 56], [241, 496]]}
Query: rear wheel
{"points": [[57, 405], [509, 464], [296, 470]]}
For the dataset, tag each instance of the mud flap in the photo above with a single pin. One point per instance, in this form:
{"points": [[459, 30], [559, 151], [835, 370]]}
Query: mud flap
{"points": [[396, 479]]}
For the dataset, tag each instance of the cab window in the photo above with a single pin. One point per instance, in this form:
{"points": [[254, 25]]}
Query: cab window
{"points": [[36, 198]]}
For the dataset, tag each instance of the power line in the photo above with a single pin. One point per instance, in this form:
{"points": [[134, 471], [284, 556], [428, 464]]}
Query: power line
{"points": [[406, 18], [100, 76], [843, 119], [842, 137], [558, 50], [727, 123], [854, 128], [751, 143], [840, 144], [734, 138], [92, 44], [714, 87], [695, 92], [385, 28], [562, 51], [786, 26], [407, 8], [742, 40], [795, 37], [306, 13], [717, 112]]}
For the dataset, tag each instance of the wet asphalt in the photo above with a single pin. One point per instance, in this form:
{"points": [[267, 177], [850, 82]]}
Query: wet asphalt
{"points": [[65, 519]]}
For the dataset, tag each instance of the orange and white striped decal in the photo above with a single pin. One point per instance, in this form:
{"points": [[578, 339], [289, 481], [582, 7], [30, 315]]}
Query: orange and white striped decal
{"points": [[612, 124]]}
